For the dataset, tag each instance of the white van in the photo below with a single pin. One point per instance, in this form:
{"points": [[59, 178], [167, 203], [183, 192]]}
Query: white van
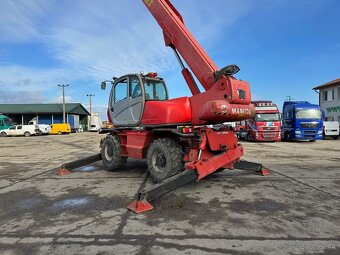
{"points": [[331, 129], [19, 130], [44, 129], [96, 122]]}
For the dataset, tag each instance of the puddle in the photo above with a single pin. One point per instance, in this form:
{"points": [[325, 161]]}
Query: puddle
{"points": [[28, 203], [72, 202], [85, 169]]}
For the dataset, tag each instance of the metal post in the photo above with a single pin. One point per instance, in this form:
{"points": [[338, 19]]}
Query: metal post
{"points": [[90, 95], [63, 89]]}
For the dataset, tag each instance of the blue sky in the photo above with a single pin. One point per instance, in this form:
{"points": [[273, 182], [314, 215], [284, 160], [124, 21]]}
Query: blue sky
{"points": [[284, 48]]}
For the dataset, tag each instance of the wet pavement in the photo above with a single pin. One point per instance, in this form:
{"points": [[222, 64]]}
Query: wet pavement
{"points": [[294, 210]]}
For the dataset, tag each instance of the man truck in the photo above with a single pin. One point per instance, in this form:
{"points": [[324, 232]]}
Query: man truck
{"points": [[265, 125], [301, 121]]}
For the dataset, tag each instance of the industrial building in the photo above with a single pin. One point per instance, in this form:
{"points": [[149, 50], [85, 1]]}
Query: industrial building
{"points": [[329, 99], [76, 113]]}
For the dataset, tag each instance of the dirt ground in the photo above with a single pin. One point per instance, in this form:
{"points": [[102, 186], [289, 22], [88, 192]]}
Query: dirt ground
{"points": [[294, 210]]}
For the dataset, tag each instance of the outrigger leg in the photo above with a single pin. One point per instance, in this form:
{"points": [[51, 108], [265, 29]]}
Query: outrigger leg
{"points": [[68, 167], [251, 166], [144, 197]]}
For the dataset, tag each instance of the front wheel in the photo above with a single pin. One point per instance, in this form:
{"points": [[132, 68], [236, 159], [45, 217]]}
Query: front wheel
{"points": [[3, 134], [111, 152], [164, 159], [27, 134]]}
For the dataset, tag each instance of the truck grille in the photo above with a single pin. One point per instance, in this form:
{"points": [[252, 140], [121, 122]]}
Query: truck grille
{"points": [[268, 135], [268, 128], [309, 134], [309, 125]]}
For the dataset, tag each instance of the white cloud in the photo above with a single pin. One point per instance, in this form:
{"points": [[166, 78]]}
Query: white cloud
{"points": [[19, 20], [59, 99]]}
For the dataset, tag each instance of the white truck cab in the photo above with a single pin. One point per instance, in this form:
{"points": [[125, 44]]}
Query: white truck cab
{"points": [[44, 129], [20, 130]]}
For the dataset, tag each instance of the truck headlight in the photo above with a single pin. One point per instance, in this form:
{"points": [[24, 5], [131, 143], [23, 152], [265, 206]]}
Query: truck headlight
{"points": [[319, 132], [298, 132]]}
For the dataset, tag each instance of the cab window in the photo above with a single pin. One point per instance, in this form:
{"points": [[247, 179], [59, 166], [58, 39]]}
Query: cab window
{"points": [[120, 90], [135, 90], [12, 128], [154, 89], [19, 127]]}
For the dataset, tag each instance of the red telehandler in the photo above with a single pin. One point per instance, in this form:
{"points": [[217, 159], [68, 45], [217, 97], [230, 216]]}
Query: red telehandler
{"points": [[172, 134]]}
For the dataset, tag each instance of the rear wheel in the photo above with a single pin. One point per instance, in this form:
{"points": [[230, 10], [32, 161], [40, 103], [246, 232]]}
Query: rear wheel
{"points": [[287, 136], [27, 134], [111, 152], [165, 159], [249, 137], [3, 134]]}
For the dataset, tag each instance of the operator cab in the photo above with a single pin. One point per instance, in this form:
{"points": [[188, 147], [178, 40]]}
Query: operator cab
{"points": [[129, 94]]}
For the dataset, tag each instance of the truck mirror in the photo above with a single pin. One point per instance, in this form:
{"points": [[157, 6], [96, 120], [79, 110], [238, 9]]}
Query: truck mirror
{"points": [[103, 85]]}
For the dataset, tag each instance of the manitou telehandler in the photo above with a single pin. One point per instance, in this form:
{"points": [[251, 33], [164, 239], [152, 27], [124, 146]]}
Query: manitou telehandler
{"points": [[171, 134]]}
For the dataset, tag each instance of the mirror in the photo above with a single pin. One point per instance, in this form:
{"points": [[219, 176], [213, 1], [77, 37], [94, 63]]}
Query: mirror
{"points": [[103, 85]]}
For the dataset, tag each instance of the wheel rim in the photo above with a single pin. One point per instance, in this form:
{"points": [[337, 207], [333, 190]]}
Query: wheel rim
{"points": [[108, 151], [159, 161]]}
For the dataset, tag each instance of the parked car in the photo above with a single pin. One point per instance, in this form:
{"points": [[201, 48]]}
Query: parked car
{"points": [[60, 128], [20, 130], [331, 129]]}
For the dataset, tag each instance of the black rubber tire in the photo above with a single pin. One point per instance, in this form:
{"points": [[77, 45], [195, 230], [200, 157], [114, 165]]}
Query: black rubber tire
{"points": [[27, 134], [3, 134], [111, 152], [335, 137], [312, 141], [164, 159], [249, 138], [287, 137]]}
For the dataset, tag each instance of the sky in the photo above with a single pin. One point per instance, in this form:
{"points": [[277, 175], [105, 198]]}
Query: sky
{"points": [[284, 48]]}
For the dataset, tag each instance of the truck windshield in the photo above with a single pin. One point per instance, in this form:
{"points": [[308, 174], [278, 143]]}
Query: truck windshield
{"points": [[154, 89], [267, 117], [308, 114], [8, 122]]}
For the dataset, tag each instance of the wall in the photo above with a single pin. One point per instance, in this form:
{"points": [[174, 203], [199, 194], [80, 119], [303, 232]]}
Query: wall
{"points": [[331, 106]]}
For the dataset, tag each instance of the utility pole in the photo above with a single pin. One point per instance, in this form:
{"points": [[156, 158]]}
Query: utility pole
{"points": [[289, 98], [63, 88], [90, 95]]}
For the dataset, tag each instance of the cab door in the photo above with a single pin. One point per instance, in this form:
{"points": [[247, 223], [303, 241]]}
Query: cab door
{"points": [[19, 130], [126, 101], [12, 130]]}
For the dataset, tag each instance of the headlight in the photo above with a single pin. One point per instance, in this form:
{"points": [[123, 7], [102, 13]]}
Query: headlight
{"points": [[298, 132], [319, 132]]}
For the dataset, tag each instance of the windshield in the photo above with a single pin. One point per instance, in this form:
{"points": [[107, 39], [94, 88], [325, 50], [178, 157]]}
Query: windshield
{"points": [[7, 122], [308, 114], [154, 89], [267, 117]]}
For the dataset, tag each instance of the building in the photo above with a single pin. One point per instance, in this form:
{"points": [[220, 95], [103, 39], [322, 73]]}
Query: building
{"points": [[46, 113], [329, 99]]}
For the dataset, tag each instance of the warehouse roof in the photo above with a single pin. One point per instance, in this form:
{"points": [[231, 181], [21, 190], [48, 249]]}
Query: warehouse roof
{"points": [[71, 108], [328, 84]]}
